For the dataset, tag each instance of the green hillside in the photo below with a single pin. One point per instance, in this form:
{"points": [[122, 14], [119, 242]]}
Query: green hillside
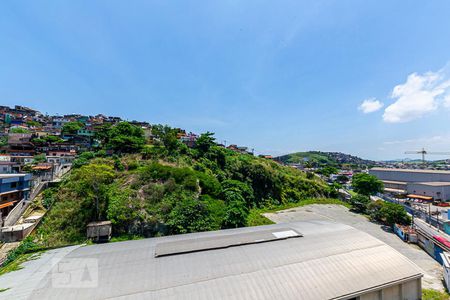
{"points": [[160, 187], [319, 159]]}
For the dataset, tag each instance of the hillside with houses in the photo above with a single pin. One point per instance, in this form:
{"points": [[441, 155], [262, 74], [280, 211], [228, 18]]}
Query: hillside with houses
{"points": [[144, 179]]}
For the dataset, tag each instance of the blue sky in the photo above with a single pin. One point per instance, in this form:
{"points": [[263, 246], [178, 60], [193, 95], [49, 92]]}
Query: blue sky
{"points": [[369, 78]]}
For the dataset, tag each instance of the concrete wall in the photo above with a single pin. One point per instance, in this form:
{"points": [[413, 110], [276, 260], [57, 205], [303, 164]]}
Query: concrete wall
{"points": [[16, 233], [397, 186], [437, 192], [409, 290]]}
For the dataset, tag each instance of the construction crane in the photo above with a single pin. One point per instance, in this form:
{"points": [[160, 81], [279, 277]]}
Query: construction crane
{"points": [[425, 152]]}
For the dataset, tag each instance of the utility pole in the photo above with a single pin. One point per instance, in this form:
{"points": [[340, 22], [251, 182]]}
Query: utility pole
{"points": [[437, 218], [429, 213]]}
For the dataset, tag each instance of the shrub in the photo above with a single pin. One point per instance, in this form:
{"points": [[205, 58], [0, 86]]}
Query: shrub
{"points": [[359, 203]]}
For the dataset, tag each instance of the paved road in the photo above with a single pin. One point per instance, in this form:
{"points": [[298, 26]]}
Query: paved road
{"points": [[432, 269]]}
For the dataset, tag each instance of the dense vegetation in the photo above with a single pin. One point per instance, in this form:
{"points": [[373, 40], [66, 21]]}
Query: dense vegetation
{"points": [[380, 211], [158, 187]]}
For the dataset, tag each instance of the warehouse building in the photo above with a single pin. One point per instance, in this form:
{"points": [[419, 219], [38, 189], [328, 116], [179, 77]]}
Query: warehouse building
{"points": [[304, 260], [419, 184]]}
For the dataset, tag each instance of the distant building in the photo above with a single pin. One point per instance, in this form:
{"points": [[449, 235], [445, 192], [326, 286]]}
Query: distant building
{"points": [[188, 139], [240, 149], [19, 144], [59, 122], [85, 132], [418, 184], [6, 167]]}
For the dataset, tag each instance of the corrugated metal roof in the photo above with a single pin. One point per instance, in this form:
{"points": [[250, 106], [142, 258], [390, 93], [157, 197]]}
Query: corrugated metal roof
{"points": [[218, 242], [330, 261], [411, 170]]}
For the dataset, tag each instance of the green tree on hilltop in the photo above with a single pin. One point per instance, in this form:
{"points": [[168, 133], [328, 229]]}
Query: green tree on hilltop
{"points": [[205, 142], [166, 136], [125, 138]]}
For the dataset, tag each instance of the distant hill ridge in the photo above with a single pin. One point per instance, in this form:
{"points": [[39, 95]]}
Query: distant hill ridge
{"points": [[322, 158]]}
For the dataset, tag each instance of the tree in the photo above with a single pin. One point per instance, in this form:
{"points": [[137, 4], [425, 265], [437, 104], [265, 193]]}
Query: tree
{"points": [[3, 141], [40, 158], [167, 136], [374, 210], [205, 142], [102, 133], [366, 184], [342, 178], [49, 139], [83, 159], [72, 127], [18, 130], [189, 215], [236, 211], [242, 188], [359, 203], [328, 170], [122, 208], [126, 138], [91, 182], [393, 213], [34, 123]]}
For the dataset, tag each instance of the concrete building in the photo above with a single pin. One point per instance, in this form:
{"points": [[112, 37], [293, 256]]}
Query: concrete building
{"points": [[303, 260], [6, 167], [419, 184], [13, 189], [446, 265]]}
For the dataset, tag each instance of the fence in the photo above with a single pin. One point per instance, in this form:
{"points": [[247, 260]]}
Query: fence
{"points": [[417, 213]]}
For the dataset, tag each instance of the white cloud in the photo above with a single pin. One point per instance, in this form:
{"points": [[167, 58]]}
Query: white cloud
{"points": [[434, 140], [447, 100], [370, 105], [419, 96]]}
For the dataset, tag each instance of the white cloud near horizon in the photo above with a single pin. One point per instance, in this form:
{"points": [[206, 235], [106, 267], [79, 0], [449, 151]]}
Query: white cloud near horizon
{"points": [[370, 105], [419, 96], [433, 140]]}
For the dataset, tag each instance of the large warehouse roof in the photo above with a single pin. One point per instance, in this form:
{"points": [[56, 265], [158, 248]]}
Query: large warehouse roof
{"points": [[411, 171], [304, 260]]}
